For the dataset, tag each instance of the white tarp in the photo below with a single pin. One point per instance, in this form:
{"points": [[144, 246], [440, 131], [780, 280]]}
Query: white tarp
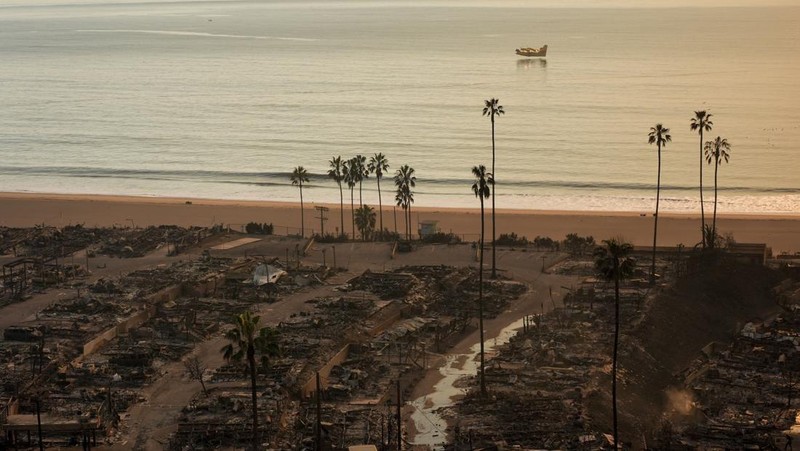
{"points": [[265, 274]]}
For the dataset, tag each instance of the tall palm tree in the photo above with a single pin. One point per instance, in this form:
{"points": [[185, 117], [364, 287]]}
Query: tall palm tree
{"points": [[349, 171], [659, 135], [359, 174], [246, 340], [702, 123], [336, 172], [481, 189], [379, 164], [612, 263], [404, 180], [493, 108], [300, 175], [717, 151]]}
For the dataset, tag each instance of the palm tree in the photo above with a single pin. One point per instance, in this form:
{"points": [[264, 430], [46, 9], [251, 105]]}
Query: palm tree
{"points": [[400, 200], [359, 174], [365, 220], [336, 172], [379, 164], [349, 170], [481, 190], [702, 123], [247, 340], [612, 263], [659, 135], [493, 108], [717, 151], [300, 175], [404, 180]]}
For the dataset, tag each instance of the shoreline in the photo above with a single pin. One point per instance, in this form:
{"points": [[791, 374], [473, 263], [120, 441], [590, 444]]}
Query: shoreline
{"points": [[779, 231], [160, 200]]}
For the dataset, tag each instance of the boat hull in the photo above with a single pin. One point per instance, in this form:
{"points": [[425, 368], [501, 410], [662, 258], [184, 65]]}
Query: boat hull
{"points": [[531, 52]]}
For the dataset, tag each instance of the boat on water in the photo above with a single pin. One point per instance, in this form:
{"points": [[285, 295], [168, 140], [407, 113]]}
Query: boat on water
{"points": [[533, 52]]}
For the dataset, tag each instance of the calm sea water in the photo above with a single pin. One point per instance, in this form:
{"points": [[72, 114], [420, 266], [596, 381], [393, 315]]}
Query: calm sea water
{"points": [[223, 99]]}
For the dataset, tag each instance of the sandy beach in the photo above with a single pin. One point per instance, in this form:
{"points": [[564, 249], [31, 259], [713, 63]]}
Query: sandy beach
{"points": [[781, 232]]}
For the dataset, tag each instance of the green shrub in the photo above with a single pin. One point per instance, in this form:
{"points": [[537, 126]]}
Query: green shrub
{"points": [[255, 228], [511, 239], [441, 238]]}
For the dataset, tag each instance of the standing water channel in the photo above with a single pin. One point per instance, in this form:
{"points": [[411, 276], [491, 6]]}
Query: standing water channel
{"points": [[431, 427]]}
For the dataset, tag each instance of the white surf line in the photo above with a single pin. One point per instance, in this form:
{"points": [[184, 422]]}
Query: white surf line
{"points": [[200, 34]]}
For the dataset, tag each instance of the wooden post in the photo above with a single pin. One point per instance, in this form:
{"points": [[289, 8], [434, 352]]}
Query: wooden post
{"points": [[399, 420], [318, 429], [39, 423]]}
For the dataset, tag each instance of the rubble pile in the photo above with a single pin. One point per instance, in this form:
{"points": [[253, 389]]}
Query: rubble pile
{"points": [[746, 394], [22, 277], [538, 384], [50, 242], [139, 242], [386, 285], [543, 379], [93, 352], [440, 290]]}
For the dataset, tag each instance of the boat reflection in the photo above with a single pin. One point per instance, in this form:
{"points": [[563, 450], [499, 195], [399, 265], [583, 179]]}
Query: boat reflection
{"points": [[529, 64]]}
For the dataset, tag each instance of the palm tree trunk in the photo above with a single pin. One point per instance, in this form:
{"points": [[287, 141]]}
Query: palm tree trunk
{"points": [[616, 346], [480, 300], [341, 207], [494, 187], [655, 229], [302, 213], [380, 206], [409, 221], [405, 221], [702, 205], [360, 196], [714, 222], [353, 212], [251, 360]]}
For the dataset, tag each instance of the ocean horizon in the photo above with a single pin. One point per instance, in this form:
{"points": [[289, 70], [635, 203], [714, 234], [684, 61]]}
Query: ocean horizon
{"points": [[221, 99]]}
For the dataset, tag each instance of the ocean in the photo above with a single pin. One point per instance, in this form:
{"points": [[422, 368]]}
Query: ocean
{"points": [[221, 99]]}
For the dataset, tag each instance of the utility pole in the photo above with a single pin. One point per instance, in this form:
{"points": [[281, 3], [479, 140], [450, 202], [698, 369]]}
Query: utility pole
{"points": [[322, 210], [399, 419]]}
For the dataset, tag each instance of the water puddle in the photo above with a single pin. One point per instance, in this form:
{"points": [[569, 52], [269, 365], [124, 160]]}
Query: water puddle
{"points": [[430, 426]]}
